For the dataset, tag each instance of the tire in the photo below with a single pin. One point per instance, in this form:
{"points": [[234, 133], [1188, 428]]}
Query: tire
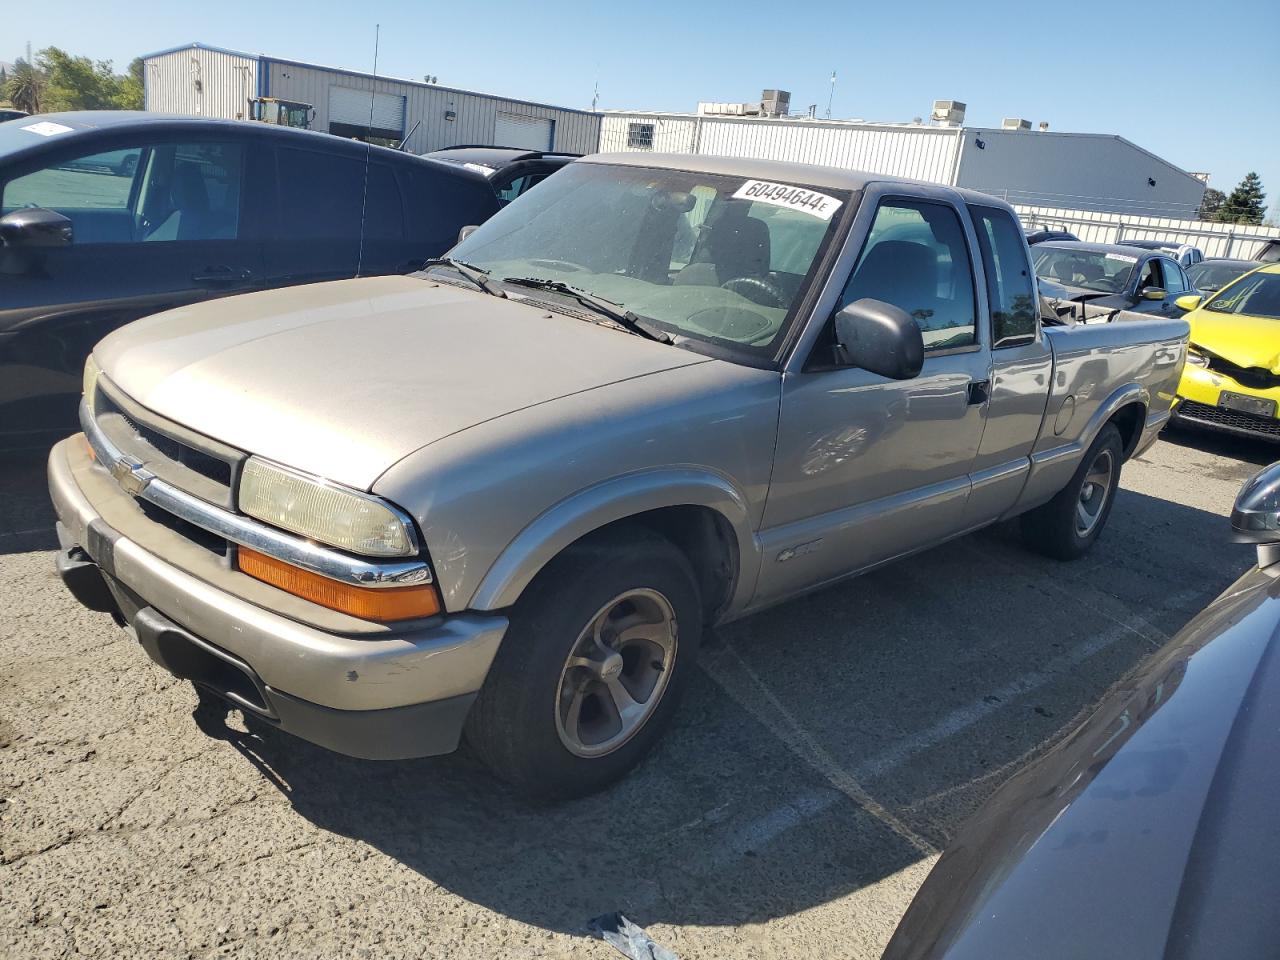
{"points": [[1065, 527], [553, 728]]}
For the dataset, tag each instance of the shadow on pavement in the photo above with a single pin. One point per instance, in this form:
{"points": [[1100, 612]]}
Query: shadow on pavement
{"points": [[925, 684], [1244, 449], [26, 515]]}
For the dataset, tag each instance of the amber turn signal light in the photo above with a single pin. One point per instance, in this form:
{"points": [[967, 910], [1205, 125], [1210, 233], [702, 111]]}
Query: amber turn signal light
{"points": [[379, 603]]}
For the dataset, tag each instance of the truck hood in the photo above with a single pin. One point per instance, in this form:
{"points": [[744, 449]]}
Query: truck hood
{"points": [[1245, 341], [343, 379]]}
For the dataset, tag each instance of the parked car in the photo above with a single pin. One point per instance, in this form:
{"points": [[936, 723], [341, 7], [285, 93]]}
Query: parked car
{"points": [[1269, 252], [1110, 277], [1214, 273], [1231, 381], [1186, 254], [9, 114], [106, 217], [549, 461], [1039, 233], [1149, 831], [510, 170]]}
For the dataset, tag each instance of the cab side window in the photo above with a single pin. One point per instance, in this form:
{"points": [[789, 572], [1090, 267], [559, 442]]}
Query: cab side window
{"points": [[1010, 289], [97, 192], [1175, 282], [916, 258], [192, 192], [1150, 276]]}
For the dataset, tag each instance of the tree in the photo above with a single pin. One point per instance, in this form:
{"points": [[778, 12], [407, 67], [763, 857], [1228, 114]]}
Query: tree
{"points": [[77, 83], [1245, 203], [25, 88], [129, 92], [1211, 204]]}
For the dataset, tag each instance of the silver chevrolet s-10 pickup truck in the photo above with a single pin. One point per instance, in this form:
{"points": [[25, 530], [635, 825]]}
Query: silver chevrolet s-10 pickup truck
{"points": [[504, 496]]}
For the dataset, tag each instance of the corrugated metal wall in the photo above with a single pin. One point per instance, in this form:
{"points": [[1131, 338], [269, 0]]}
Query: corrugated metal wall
{"points": [[923, 153], [476, 114], [200, 82], [1215, 239], [1080, 171]]}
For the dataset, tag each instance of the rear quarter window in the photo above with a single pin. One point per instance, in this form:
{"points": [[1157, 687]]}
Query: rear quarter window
{"points": [[440, 202]]}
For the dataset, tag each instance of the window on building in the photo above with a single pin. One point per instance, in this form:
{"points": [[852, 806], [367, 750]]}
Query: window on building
{"points": [[916, 259], [640, 136], [1009, 287]]}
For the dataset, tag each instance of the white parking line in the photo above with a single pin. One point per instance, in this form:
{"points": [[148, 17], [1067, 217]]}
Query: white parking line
{"points": [[966, 716], [727, 668], [732, 674]]}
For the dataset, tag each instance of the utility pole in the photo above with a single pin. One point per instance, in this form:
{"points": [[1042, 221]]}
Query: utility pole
{"points": [[832, 94]]}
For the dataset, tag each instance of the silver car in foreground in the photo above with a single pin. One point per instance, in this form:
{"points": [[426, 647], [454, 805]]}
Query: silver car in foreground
{"points": [[507, 494]]}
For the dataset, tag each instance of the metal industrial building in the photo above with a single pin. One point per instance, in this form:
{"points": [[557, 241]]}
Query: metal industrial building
{"points": [[1074, 171], [213, 82], [1080, 171]]}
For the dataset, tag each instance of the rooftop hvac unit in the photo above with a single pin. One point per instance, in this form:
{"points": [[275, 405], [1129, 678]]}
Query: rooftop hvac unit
{"points": [[775, 103], [949, 113], [1015, 123]]}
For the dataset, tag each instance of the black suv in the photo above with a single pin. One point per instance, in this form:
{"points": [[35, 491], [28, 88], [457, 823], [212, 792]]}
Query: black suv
{"points": [[108, 216], [510, 170]]}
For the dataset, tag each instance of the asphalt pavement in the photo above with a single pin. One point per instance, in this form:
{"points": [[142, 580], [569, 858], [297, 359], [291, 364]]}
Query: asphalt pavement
{"points": [[826, 751]]}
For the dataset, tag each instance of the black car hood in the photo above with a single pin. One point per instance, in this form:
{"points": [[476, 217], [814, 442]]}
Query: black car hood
{"points": [[1149, 832]]}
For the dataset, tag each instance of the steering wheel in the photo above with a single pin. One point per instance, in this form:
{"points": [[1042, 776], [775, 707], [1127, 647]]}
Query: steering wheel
{"points": [[568, 266], [756, 288]]}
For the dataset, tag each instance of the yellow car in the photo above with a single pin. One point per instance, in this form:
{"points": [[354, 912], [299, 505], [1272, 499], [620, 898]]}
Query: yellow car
{"points": [[1232, 378]]}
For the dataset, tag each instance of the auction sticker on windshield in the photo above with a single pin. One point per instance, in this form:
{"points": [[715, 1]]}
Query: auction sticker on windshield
{"points": [[789, 198]]}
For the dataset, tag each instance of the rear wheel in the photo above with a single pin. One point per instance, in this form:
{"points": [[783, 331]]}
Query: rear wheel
{"points": [[591, 667], [1066, 527]]}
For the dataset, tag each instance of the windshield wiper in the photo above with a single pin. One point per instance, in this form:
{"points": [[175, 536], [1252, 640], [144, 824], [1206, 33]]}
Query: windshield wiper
{"points": [[631, 322], [473, 273]]}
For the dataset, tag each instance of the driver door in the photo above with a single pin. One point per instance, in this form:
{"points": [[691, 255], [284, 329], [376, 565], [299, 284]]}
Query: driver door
{"points": [[867, 468], [155, 225]]}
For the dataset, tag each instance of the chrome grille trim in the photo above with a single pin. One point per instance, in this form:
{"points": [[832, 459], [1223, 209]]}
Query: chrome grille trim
{"points": [[141, 483]]}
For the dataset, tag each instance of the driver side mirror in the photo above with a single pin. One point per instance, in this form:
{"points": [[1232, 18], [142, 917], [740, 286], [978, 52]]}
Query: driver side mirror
{"points": [[1188, 302], [467, 231], [881, 338], [1152, 293], [35, 227]]}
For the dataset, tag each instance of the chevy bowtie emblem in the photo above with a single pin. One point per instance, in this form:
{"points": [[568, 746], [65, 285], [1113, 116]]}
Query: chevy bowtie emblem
{"points": [[133, 479]]}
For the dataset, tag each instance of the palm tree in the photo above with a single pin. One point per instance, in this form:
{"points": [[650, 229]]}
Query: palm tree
{"points": [[25, 86]]}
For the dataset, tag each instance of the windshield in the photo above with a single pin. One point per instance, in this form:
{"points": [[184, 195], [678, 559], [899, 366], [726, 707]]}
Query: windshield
{"points": [[1257, 295], [1101, 272], [714, 259], [1209, 276]]}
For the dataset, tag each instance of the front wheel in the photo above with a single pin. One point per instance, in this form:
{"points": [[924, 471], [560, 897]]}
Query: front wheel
{"points": [[591, 667], [1066, 527]]}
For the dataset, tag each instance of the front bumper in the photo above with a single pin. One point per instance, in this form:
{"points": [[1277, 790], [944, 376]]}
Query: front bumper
{"points": [[1198, 404], [363, 690]]}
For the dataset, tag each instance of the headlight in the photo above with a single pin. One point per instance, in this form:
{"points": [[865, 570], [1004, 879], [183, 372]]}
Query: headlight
{"points": [[1196, 359], [323, 511], [91, 373]]}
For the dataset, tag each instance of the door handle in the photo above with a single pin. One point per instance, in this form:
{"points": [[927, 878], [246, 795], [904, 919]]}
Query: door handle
{"points": [[979, 392], [220, 274]]}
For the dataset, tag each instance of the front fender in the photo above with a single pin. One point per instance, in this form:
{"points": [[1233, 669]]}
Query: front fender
{"points": [[610, 501]]}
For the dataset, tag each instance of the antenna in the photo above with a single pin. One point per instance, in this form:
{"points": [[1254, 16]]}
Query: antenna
{"points": [[368, 149], [832, 94]]}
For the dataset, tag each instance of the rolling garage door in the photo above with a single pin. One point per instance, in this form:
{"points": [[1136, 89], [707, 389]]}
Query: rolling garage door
{"points": [[349, 113], [528, 133]]}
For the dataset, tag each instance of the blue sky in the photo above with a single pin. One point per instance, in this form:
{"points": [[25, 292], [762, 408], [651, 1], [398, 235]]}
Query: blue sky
{"points": [[1078, 65]]}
